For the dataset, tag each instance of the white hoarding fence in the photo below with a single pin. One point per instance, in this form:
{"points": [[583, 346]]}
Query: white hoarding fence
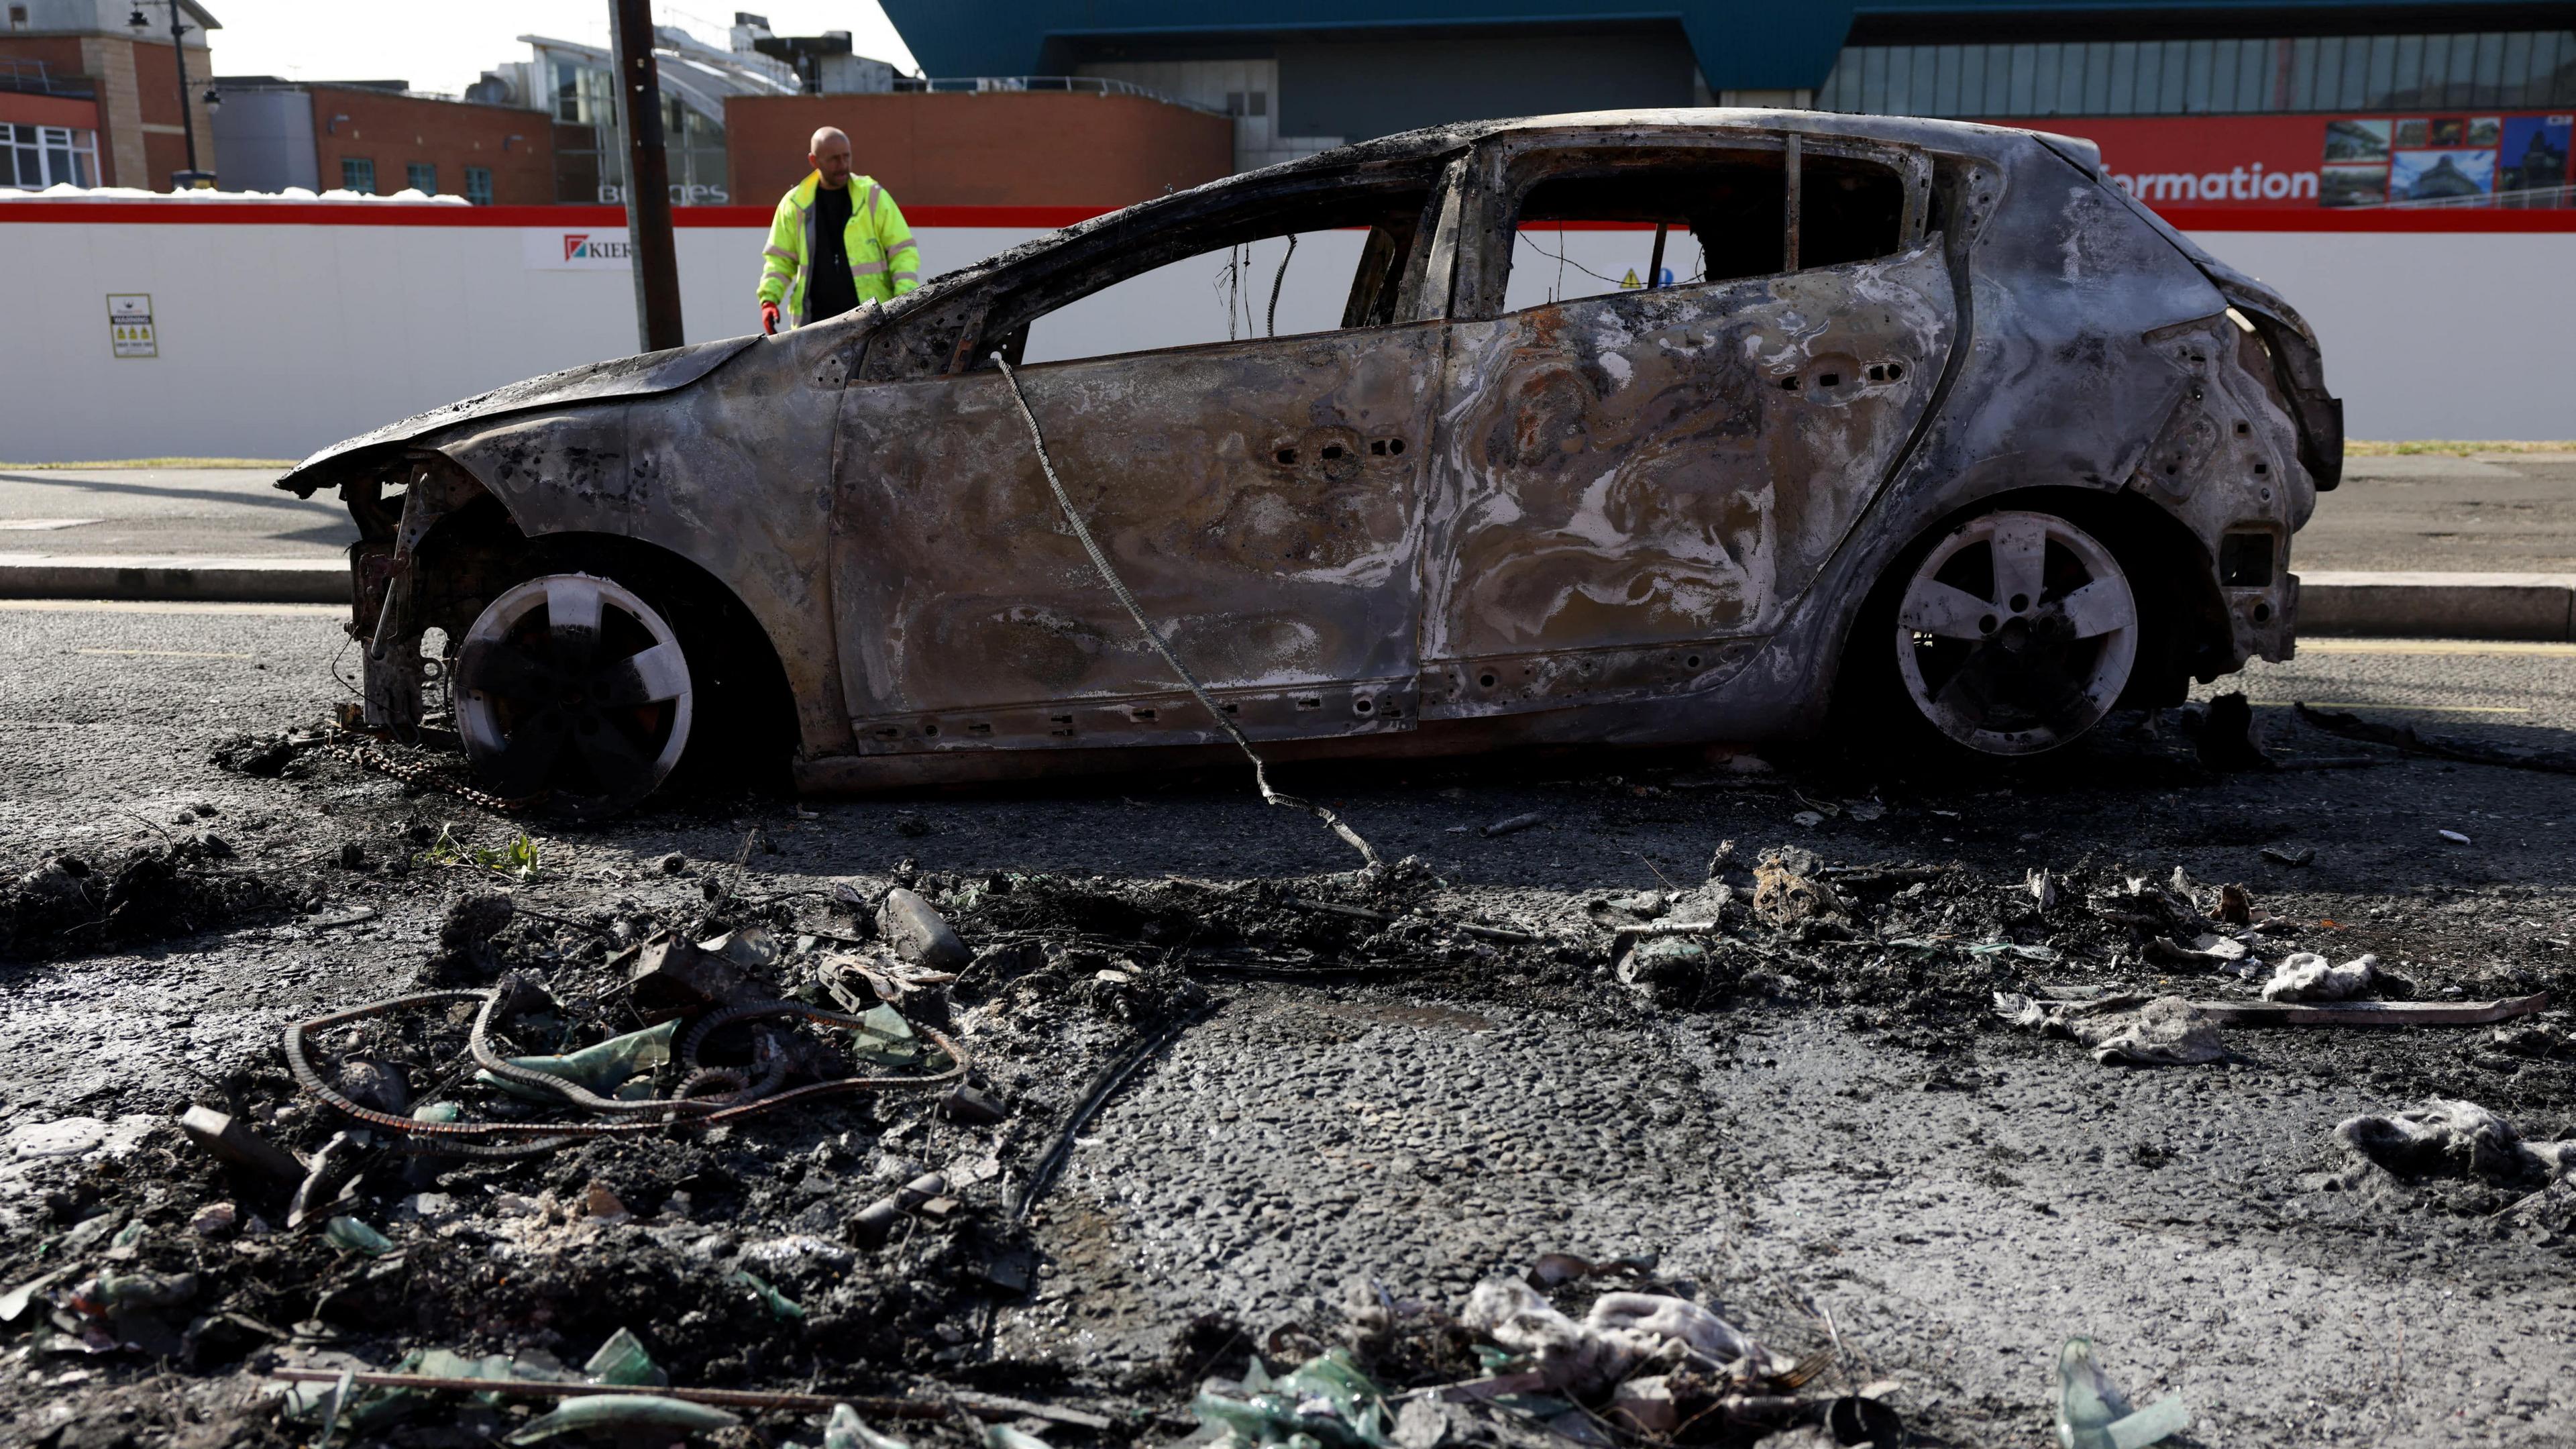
{"points": [[271, 329]]}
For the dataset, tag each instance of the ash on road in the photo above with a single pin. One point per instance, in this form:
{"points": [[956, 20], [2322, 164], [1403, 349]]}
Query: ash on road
{"points": [[1818, 1125]]}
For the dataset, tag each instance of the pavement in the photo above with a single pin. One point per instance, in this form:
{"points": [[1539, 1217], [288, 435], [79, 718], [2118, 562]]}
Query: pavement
{"points": [[1954, 1207], [2426, 545], [2491, 513]]}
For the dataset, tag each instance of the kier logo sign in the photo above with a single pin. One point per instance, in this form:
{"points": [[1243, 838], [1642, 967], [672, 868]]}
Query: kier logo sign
{"points": [[582, 245], [556, 250]]}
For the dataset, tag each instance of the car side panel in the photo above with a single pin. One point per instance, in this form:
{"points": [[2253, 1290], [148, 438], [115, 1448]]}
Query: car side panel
{"points": [[1260, 498], [1628, 477]]}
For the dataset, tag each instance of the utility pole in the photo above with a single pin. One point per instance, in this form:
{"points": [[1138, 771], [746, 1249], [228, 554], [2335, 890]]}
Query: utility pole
{"points": [[648, 175]]}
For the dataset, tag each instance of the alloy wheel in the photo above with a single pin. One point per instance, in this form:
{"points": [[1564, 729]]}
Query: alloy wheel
{"points": [[2016, 633], [573, 685]]}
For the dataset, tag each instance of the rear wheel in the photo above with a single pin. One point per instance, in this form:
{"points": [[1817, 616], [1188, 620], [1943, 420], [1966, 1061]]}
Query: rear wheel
{"points": [[573, 685], [2014, 634]]}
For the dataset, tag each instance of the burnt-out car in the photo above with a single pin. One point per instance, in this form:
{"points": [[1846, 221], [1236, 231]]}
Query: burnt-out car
{"points": [[1919, 422]]}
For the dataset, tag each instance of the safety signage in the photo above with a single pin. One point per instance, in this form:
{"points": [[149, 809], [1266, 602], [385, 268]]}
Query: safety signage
{"points": [[129, 324]]}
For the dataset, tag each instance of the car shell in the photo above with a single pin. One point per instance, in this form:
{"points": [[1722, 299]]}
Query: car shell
{"points": [[865, 491]]}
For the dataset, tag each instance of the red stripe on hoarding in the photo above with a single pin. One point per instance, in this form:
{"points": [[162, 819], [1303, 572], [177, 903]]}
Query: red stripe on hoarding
{"points": [[1041, 218], [2364, 219], [355, 213]]}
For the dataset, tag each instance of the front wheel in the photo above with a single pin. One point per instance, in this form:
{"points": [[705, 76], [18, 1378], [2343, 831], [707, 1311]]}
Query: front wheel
{"points": [[573, 686], [2015, 633]]}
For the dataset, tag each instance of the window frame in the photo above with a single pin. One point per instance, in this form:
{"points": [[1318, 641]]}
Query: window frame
{"points": [[413, 171], [949, 334], [478, 195], [1504, 169], [368, 162], [42, 145]]}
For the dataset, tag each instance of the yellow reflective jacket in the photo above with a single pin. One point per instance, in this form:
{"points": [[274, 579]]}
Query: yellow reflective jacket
{"points": [[884, 263]]}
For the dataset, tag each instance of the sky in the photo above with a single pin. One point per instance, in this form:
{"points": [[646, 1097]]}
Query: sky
{"points": [[447, 47]]}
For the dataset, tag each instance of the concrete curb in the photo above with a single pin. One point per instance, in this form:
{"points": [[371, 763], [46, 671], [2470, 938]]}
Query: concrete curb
{"points": [[172, 577], [2439, 605], [2371, 605]]}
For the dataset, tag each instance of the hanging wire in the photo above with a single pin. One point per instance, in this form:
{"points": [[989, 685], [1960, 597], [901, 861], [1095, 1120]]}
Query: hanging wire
{"points": [[1563, 261], [1245, 293], [1277, 281], [1227, 282], [1135, 611]]}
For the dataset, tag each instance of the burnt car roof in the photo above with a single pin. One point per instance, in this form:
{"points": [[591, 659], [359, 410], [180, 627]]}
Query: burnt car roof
{"points": [[1435, 141]]}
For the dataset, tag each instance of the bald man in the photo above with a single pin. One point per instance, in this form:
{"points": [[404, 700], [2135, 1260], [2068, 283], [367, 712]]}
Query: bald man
{"points": [[836, 241]]}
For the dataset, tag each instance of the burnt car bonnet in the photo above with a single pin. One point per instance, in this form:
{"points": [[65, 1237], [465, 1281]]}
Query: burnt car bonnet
{"points": [[639, 376]]}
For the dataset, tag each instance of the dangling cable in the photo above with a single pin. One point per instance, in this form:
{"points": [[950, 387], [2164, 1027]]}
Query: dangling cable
{"points": [[1276, 281], [1118, 586]]}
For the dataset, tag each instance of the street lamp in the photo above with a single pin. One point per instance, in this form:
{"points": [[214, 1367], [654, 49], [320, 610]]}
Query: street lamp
{"points": [[139, 24]]}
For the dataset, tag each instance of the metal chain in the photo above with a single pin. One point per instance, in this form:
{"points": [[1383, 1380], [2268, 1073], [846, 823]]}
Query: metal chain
{"points": [[426, 778]]}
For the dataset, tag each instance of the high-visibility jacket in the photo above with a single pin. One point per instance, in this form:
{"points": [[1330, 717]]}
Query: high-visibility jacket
{"points": [[884, 262]]}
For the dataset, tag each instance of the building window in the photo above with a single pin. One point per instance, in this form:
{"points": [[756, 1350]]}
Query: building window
{"points": [[17, 17], [2525, 69], [35, 157], [358, 174], [585, 95], [421, 176], [478, 185]]}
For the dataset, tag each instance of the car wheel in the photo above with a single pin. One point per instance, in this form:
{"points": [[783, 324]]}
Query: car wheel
{"points": [[573, 686], [2015, 633]]}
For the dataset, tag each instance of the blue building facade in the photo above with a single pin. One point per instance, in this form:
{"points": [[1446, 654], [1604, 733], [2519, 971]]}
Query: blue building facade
{"points": [[1301, 75]]}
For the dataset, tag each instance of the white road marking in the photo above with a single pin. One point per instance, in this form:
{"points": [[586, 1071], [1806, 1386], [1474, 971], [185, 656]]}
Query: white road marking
{"points": [[2459, 647], [162, 653], [40, 525], [2416, 708], [173, 606]]}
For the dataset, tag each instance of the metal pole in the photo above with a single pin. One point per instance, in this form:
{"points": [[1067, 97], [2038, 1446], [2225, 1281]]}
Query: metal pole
{"points": [[1792, 183], [648, 175], [179, 54]]}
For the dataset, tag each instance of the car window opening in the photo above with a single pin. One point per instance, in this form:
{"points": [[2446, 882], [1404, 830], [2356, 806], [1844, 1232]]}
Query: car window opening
{"points": [[1634, 222], [1273, 267]]}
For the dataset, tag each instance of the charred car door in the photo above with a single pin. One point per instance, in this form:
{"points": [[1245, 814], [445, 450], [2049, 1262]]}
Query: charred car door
{"points": [[1632, 487], [1260, 496]]}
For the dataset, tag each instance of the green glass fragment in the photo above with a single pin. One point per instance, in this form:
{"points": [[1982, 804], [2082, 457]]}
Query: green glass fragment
{"points": [[1324, 1403], [350, 1235], [845, 1431], [2092, 1413], [598, 1068], [625, 1414], [779, 1303], [622, 1361]]}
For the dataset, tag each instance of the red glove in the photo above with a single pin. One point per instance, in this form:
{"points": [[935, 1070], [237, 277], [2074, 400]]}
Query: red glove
{"points": [[769, 318]]}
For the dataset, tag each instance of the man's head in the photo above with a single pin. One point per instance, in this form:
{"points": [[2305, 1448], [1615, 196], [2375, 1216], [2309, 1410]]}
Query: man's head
{"points": [[829, 154]]}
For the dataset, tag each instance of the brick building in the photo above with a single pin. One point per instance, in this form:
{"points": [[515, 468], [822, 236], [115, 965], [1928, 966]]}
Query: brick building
{"points": [[985, 148], [378, 137], [85, 98]]}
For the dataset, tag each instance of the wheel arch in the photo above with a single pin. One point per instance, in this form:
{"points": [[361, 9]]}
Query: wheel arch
{"points": [[467, 546], [2168, 567]]}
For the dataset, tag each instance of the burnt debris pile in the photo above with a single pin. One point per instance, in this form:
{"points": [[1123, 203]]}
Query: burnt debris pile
{"points": [[780, 1162]]}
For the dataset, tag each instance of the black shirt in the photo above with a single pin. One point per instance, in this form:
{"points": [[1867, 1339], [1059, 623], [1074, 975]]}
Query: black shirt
{"points": [[829, 289]]}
